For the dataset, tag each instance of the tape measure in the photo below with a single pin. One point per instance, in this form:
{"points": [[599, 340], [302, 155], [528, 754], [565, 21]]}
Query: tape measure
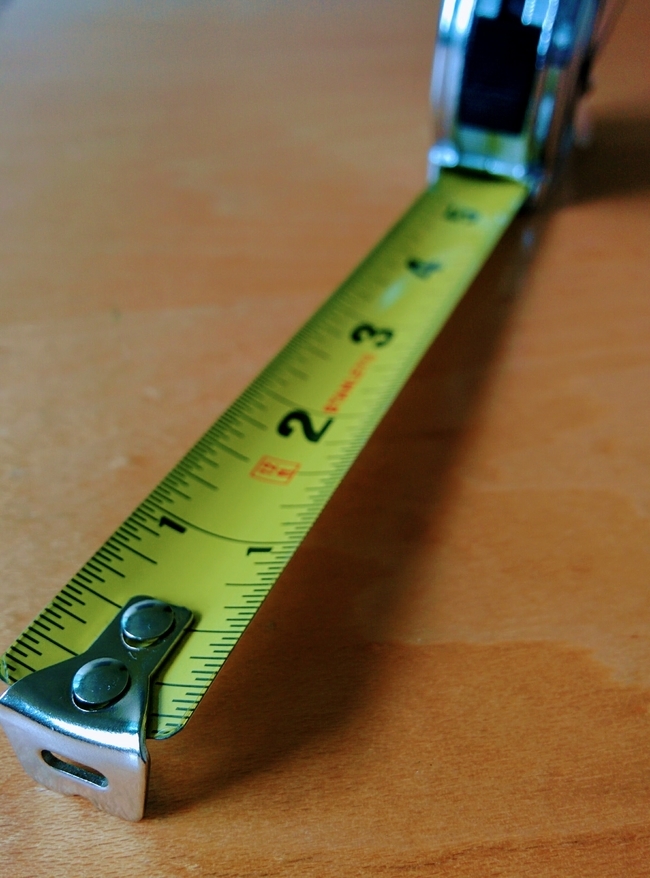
{"points": [[219, 529], [130, 645]]}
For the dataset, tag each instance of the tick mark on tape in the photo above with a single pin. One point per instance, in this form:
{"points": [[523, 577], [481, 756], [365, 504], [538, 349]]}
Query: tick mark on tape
{"points": [[174, 525]]}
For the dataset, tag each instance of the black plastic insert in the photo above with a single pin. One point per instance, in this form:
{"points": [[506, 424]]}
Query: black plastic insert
{"points": [[499, 73]]}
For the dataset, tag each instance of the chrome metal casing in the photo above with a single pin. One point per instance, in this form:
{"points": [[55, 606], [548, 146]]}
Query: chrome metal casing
{"points": [[506, 78]]}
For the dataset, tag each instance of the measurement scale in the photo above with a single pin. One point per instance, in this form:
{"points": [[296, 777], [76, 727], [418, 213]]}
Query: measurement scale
{"points": [[129, 646]]}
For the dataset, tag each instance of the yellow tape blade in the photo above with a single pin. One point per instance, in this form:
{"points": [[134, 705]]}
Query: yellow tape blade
{"points": [[217, 532]]}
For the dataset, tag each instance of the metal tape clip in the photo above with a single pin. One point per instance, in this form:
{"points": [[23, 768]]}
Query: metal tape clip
{"points": [[78, 727], [507, 77]]}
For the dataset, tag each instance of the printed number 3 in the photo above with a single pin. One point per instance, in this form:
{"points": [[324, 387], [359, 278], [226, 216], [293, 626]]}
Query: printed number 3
{"points": [[367, 330], [285, 426]]}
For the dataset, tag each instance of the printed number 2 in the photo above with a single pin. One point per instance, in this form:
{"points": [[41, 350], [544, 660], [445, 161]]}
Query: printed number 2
{"points": [[285, 428], [367, 330]]}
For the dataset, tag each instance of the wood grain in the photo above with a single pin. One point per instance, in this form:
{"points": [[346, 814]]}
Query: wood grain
{"points": [[453, 675]]}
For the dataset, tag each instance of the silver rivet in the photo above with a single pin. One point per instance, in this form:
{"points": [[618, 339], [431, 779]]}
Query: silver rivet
{"points": [[100, 683], [144, 623]]}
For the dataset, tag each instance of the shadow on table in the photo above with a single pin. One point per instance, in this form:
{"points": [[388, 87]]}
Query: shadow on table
{"points": [[305, 668], [617, 163]]}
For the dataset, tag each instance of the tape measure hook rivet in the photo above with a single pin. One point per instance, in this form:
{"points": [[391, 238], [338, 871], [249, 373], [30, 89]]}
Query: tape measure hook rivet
{"points": [[78, 727]]}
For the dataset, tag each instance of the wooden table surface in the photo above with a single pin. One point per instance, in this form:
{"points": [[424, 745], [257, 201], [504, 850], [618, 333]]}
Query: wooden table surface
{"points": [[453, 676]]}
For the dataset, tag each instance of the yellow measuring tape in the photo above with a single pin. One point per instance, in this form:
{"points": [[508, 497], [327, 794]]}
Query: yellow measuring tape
{"points": [[219, 529]]}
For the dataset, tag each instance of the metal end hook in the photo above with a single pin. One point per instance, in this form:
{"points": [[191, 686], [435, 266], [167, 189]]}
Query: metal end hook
{"points": [[78, 727]]}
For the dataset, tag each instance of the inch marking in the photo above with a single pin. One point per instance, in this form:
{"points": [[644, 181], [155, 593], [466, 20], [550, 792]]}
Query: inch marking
{"points": [[135, 551], [72, 615], [18, 662], [51, 639], [211, 533], [178, 685], [73, 597], [98, 594], [423, 269], [174, 525], [310, 433], [27, 646], [51, 621], [367, 330], [290, 402]]}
